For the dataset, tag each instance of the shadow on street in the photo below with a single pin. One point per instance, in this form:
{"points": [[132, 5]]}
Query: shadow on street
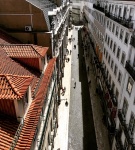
{"points": [[89, 139]]}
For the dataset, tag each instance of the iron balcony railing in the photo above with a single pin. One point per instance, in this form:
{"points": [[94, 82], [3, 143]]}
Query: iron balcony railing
{"points": [[121, 117], [130, 70], [98, 7], [128, 23], [128, 135], [132, 42], [118, 140]]}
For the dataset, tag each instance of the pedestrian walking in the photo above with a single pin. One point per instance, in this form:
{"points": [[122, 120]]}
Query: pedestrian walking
{"points": [[74, 85], [88, 69], [70, 52], [74, 46], [67, 51], [89, 83], [66, 103]]}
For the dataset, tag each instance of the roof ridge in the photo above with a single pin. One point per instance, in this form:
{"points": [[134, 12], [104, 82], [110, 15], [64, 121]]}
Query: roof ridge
{"points": [[8, 78], [33, 46]]}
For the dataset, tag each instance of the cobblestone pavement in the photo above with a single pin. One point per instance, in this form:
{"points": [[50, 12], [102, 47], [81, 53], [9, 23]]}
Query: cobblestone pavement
{"points": [[81, 127], [78, 121]]}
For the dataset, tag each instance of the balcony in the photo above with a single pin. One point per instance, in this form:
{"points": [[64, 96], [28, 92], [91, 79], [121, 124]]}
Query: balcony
{"points": [[130, 70], [128, 135], [128, 23], [132, 42], [98, 7], [118, 140], [121, 117]]}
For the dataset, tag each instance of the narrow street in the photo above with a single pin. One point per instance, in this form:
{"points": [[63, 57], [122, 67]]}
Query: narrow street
{"points": [[81, 127], [78, 129]]}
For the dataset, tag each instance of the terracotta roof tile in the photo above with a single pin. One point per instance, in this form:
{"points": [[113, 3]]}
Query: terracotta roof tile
{"points": [[13, 86], [32, 117], [8, 127], [9, 66], [25, 51]]}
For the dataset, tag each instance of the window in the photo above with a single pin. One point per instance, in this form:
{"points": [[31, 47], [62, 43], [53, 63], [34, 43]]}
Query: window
{"points": [[106, 55], [110, 25], [109, 59], [121, 34], [108, 40], [113, 86], [110, 80], [134, 62], [119, 77], [125, 107], [107, 73], [112, 64], [118, 52], [104, 51], [117, 31], [126, 38], [123, 58], [131, 124], [117, 93], [106, 37], [130, 85], [114, 48], [111, 44], [113, 27], [115, 70], [107, 23], [125, 144]]}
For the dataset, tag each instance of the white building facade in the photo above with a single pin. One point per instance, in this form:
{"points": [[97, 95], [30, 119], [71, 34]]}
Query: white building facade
{"points": [[110, 27]]}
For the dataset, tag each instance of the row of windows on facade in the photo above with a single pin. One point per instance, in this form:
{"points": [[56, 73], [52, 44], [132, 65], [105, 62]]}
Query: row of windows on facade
{"points": [[96, 15], [131, 123], [120, 10], [112, 45], [115, 67], [97, 32], [111, 26], [119, 33]]}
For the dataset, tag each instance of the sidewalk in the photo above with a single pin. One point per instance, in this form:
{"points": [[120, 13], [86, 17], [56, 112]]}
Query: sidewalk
{"points": [[61, 139]]}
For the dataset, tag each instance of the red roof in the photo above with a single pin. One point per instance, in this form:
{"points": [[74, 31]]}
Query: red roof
{"points": [[25, 51], [8, 125], [8, 66], [33, 115], [14, 86]]}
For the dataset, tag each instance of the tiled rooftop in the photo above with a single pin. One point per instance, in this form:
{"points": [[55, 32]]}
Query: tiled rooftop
{"points": [[33, 115], [13, 86], [8, 127], [8, 66], [13, 75], [25, 51]]}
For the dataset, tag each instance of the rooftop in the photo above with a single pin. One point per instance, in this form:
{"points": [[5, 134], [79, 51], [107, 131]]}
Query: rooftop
{"points": [[13, 86], [24, 50], [13, 76]]}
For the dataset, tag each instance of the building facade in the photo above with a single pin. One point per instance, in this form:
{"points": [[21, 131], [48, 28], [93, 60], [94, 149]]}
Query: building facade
{"points": [[33, 45], [109, 27]]}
